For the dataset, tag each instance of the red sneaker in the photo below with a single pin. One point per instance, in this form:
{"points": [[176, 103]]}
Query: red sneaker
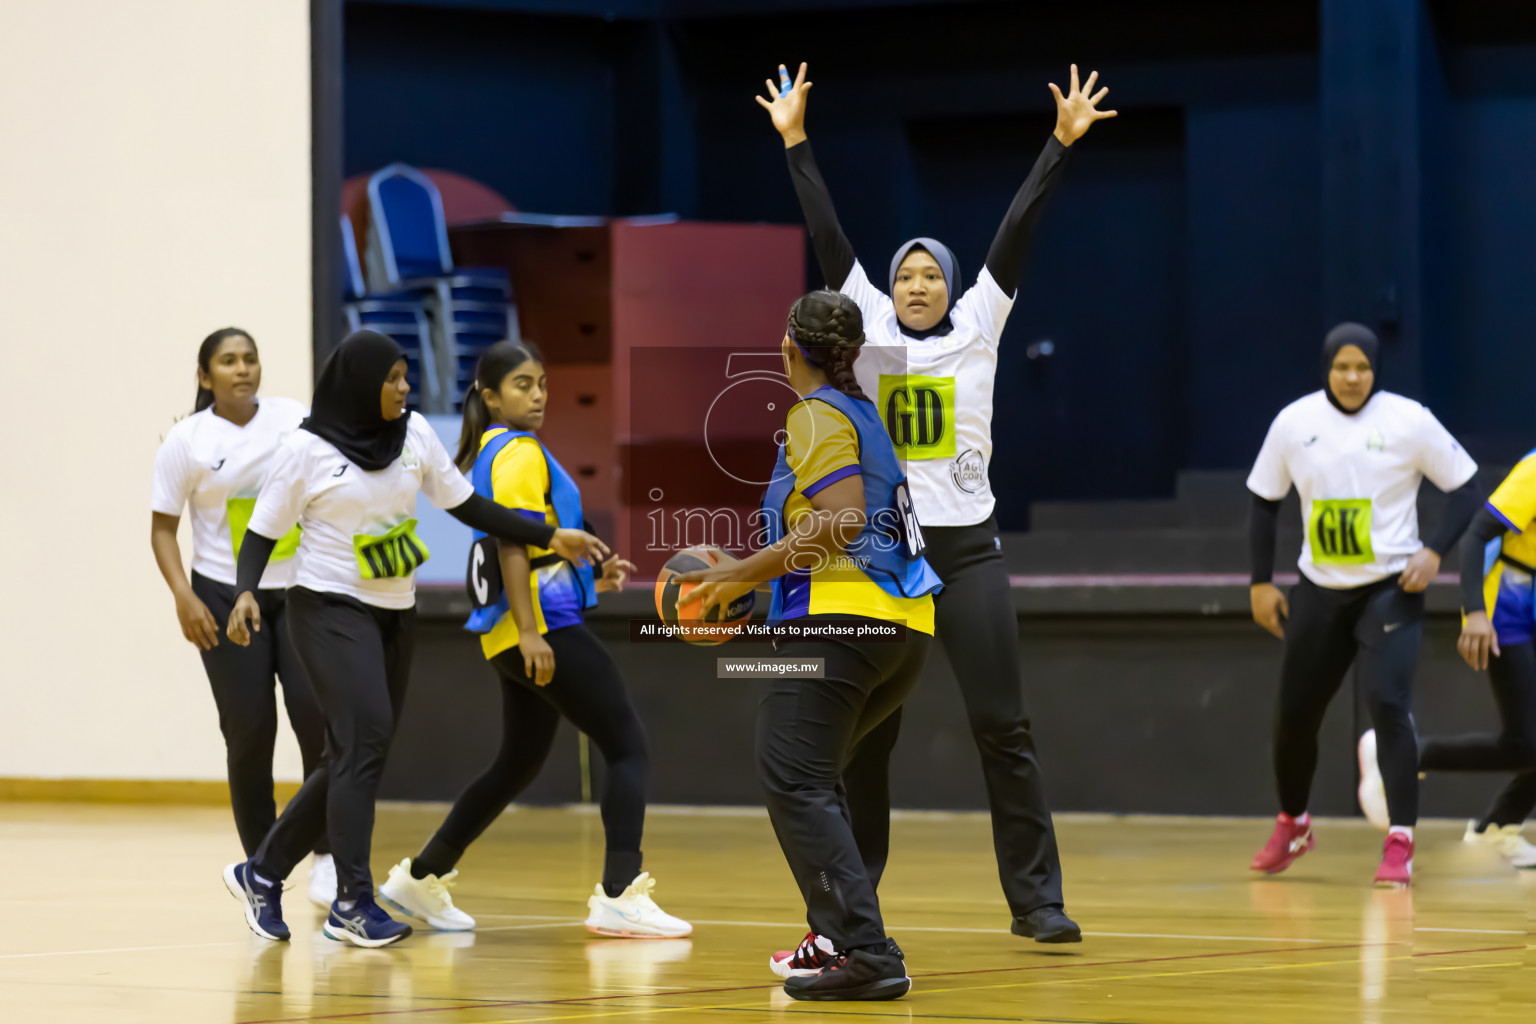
{"points": [[1396, 869], [1289, 841], [815, 952]]}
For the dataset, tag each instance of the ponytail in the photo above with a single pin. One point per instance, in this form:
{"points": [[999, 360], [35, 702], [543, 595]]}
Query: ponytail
{"points": [[477, 420], [494, 365], [205, 354], [829, 330]]}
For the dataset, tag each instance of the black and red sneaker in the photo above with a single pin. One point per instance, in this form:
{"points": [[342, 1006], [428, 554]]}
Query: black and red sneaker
{"points": [[814, 953], [854, 975]]}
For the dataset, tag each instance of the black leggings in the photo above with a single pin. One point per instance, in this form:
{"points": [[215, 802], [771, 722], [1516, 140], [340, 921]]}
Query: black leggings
{"points": [[1378, 628], [1513, 675], [587, 689], [807, 730], [358, 658], [979, 627], [241, 678]]}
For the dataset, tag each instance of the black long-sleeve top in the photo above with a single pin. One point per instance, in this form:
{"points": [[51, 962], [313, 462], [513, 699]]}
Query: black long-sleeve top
{"points": [[1010, 246], [1485, 526], [478, 513]]}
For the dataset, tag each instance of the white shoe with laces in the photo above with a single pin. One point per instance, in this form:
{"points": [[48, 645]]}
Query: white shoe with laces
{"points": [[633, 914], [1373, 793], [322, 881], [1507, 840], [425, 899], [813, 953]]}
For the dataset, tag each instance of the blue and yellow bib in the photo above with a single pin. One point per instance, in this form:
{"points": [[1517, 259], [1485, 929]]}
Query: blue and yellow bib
{"points": [[882, 574], [1508, 562], [514, 469]]}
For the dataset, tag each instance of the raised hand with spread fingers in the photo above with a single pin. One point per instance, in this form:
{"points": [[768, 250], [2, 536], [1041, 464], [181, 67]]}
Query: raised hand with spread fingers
{"points": [[1075, 112]]}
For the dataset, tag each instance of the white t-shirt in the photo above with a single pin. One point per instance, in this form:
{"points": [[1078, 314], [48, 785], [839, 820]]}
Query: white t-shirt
{"points": [[935, 396], [218, 468], [1358, 478], [358, 527]]}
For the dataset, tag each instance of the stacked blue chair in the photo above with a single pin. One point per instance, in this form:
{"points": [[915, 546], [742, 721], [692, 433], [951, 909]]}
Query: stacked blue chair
{"points": [[402, 316], [470, 308]]}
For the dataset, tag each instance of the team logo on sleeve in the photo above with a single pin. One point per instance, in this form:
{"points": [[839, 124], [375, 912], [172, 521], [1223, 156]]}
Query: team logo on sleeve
{"points": [[969, 472]]}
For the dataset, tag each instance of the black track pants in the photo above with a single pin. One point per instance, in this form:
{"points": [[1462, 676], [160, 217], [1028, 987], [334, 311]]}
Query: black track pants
{"points": [[358, 658], [806, 731], [1379, 629], [979, 627], [242, 682], [1513, 675]]}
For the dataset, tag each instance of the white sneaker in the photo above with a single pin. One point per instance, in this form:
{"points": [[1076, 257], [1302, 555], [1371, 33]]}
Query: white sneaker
{"points": [[1521, 854], [633, 914], [813, 953], [1373, 793], [1507, 840], [322, 881], [425, 899], [1473, 835]]}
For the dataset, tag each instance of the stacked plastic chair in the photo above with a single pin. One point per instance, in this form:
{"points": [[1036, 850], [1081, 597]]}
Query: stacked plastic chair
{"points": [[469, 308], [402, 316]]}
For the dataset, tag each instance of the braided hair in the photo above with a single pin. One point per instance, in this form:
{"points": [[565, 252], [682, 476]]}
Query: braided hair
{"points": [[828, 328]]}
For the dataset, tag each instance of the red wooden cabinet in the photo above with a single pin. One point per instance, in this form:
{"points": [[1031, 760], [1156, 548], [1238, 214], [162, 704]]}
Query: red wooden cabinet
{"points": [[660, 342]]}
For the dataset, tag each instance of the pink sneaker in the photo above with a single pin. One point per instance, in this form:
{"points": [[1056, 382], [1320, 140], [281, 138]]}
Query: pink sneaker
{"points": [[1396, 869], [814, 953], [1289, 841]]}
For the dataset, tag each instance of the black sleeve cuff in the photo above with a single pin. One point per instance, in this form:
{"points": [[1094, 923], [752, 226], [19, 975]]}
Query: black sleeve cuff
{"points": [[1263, 522], [255, 553]]}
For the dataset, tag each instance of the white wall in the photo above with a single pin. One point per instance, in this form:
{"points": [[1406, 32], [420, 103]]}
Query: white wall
{"points": [[154, 186]]}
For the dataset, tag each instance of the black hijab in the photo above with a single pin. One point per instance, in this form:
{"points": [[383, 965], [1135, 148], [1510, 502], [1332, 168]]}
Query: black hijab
{"points": [[346, 411], [1363, 338], [948, 264]]}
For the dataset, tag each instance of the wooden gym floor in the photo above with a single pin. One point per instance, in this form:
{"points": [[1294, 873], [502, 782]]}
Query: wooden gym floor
{"points": [[117, 913]]}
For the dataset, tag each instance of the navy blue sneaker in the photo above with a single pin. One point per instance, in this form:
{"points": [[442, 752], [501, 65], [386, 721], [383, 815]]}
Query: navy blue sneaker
{"points": [[364, 925], [263, 902]]}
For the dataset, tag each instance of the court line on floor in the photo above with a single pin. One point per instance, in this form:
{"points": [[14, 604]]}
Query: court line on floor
{"points": [[588, 1000], [821, 1011], [1024, 984], [1474, 931], [999, 931], [123, 949], [552, 922], [1164, 974], [1211, 938], [793, 926], [1454, 952], [526, 917]]}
